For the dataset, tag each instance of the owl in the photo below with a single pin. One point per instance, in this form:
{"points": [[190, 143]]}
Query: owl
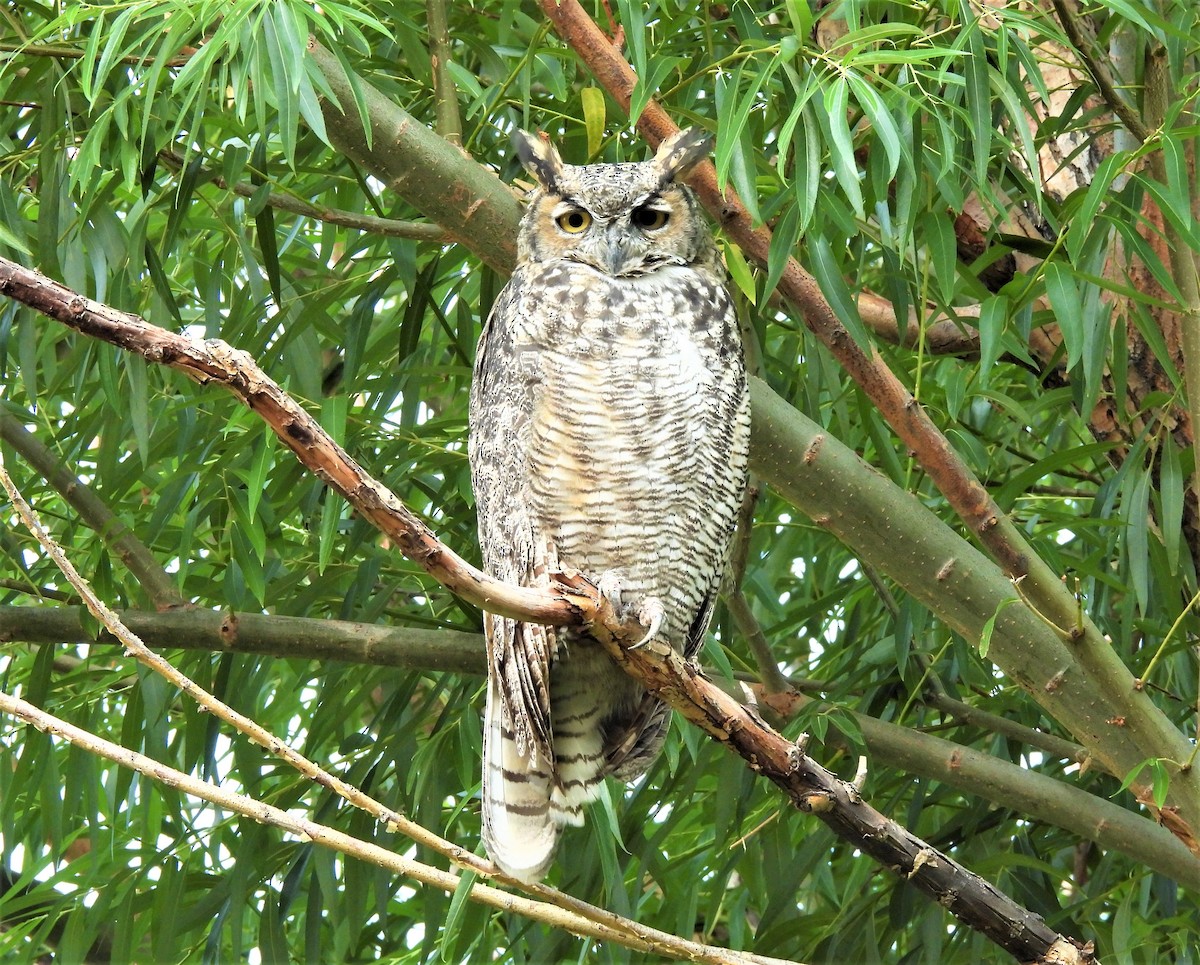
{"points": [[609, 434]]}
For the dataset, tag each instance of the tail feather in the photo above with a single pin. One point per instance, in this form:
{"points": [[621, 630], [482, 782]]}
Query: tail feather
{"points": [[578, 694], [519, 830]]}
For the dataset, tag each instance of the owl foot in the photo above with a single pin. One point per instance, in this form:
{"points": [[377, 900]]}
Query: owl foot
{"points": [[609, 585], [651, 615]]}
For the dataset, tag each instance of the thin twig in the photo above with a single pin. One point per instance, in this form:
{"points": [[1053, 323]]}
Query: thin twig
{"points": [[371, 224], [1070, 20], [393, 820], [774, 681], [76, 53], [636, 936], [445, 94], [119, 538]]}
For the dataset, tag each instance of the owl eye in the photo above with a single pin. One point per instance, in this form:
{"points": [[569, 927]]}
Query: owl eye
{"points": [[574, 221], [650, 219]]}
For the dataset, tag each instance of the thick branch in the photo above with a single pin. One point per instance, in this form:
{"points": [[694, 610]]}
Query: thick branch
{"points": [[1042, 592], [813, 789], [468, 201]]}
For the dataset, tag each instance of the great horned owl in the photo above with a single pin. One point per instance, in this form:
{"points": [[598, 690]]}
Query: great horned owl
{"points": [[610, 428]]}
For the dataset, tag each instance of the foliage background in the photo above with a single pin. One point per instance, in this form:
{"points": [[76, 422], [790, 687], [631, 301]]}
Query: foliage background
{"points": [[146, 146]]}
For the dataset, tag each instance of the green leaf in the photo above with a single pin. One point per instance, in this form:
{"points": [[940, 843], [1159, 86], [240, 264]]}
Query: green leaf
{"points": [[1170, 494], [739, 271], [1135, 512], [828, 274], [593, 118], [841, 144], [989, 626], [1065, 301]]}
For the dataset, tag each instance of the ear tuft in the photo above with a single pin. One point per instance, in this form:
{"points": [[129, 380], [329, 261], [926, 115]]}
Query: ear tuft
{"points": [[681, 152], [539, 157]]}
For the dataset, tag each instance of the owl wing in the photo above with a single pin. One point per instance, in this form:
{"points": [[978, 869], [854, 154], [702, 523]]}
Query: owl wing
{"points": [[503, 395], [518, 776]]}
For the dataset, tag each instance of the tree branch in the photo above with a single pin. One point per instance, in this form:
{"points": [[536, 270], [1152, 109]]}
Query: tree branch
{"points": [[1042, 591], [613, 929], [393, 820], [449, 123], [119, 538], [911, 423], [214, 361], [389, 227], [813, 789], [1070, 20], [1041, 796]]}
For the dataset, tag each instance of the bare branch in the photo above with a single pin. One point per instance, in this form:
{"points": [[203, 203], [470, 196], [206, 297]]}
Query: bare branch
{"points": [[972, 772], [813, 789], [1106, 673], [1071, 20], [215, 361]]}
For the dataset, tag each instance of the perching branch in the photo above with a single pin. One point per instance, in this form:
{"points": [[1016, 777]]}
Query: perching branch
{"points": [[623, 930], [1000, 781], [1041, 589], [215, 361], [813, 789]]}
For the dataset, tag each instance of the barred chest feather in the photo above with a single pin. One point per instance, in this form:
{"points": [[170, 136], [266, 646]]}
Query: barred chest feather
{"points": [[630, 442]]}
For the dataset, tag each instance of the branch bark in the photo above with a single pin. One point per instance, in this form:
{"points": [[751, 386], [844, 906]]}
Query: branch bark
{"points": [[611, 929]]}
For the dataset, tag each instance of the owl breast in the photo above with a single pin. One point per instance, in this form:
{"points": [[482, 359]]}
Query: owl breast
{"points": [[631, 442]]}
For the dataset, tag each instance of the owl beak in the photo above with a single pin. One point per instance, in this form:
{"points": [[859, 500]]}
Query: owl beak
{"points": [[616, 252]]}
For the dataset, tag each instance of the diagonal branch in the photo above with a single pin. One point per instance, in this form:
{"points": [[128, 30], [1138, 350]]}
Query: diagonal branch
{"points": [[92, 510], [280, 200], [1049, 799], [910, 421], [394, 821], [214, 361], [616, 930]]}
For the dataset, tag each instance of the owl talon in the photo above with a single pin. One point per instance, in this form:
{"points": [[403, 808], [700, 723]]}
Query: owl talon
{"points": [[651, 615], [609, 586]]}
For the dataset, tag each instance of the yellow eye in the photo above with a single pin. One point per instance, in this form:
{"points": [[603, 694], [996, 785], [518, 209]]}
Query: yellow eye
{"points": [[650, 219], [574, 221]]}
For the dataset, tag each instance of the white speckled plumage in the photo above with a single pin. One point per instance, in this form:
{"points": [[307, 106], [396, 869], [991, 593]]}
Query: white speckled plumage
{"points": [[609, 434]]}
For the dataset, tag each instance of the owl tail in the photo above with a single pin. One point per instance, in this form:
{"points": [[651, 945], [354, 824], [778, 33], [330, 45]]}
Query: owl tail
{"points": [[519, 831], [581, 697]]}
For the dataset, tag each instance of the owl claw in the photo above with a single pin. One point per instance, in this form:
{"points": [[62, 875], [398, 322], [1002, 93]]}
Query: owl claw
{"points": [[651, 615], [609, 585]]}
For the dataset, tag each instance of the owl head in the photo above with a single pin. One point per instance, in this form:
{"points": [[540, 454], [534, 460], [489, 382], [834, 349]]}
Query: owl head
{"points": [[620, 219]]}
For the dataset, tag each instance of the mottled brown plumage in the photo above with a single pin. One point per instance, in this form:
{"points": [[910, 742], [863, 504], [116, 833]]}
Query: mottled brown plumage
{"points": [[609, 433]]}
